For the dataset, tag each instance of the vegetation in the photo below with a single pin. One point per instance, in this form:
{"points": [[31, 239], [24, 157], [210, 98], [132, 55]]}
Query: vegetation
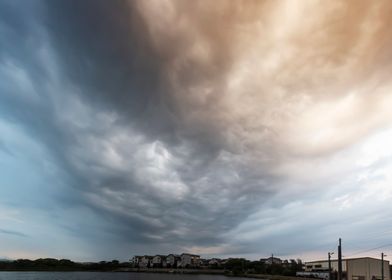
{"points": [[243, 266], [236, 267], [49, 264]]}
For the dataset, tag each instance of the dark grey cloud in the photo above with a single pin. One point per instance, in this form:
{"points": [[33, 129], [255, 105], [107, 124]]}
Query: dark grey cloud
{"points": [[104, 48], [106, 51]]}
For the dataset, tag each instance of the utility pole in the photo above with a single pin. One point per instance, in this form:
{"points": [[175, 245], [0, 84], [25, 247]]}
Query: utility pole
{"points": [[340, 268], [329, 266], [382, 265]]}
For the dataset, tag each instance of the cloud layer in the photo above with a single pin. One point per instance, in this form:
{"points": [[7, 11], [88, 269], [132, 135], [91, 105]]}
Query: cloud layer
{"points": [[224, 128]]}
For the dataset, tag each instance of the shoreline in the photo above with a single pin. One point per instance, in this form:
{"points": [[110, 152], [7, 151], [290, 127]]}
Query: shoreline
{"points": [[176, 271], [132, 270]]}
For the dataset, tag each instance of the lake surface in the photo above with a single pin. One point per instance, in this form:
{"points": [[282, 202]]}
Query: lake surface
{"points": [[18, 275]]}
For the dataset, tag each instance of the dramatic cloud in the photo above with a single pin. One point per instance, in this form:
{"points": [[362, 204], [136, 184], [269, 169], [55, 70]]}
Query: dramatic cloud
{"points": [[225, 128]]}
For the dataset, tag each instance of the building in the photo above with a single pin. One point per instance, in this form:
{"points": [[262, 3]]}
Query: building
{"points": [[353, 269], [145, 261], [172, 260], [214, 262], [136, 260], [189, 260], [271, 260], [158, 261], [225, 261]]}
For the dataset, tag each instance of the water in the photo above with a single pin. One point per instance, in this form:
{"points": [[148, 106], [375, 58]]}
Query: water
{"points": [[106, 276]]}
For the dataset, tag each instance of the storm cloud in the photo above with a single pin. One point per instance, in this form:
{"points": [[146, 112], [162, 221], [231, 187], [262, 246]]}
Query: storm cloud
{"points": [[225, 128]]}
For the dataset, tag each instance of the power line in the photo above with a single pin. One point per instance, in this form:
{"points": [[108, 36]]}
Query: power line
{"points": [[370, 236], [372, 249]]}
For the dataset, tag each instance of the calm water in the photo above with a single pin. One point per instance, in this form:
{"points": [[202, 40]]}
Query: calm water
{"points": [[106, 276]]}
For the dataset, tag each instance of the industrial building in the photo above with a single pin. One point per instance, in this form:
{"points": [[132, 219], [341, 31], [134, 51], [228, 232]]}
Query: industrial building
{"points": [[353, 269]]}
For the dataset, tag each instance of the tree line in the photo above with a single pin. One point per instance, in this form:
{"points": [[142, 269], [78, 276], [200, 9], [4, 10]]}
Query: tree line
{"points": [[243, 266], [236, 266], [49, 264]]}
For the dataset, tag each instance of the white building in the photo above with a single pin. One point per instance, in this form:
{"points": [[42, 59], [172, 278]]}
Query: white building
{"points": [[145, 261], [158, 261], [271, 260], [353, 269], [172, 260], [136, 260], [189, 260], [214, 261]]}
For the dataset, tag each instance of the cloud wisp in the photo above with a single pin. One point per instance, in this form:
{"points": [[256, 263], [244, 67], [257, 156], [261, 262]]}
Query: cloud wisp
{"points": [[12, 232]]}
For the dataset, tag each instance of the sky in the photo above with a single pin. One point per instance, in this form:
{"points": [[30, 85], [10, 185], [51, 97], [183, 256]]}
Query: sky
{"points": [[221, 128]]}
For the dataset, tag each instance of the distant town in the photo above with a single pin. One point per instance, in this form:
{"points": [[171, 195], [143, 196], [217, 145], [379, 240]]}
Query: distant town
{"points": [[363, 268], [272, 267], [186, 260]]}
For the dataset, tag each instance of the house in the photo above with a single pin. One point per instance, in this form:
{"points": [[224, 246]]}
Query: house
{"points": [[145, 261], [214, 262], [136, 260], [189, 260], [172, 260], [158, 261], [224, 261], [204, 263], [365, 268], [286, 264], [271, 260]]}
